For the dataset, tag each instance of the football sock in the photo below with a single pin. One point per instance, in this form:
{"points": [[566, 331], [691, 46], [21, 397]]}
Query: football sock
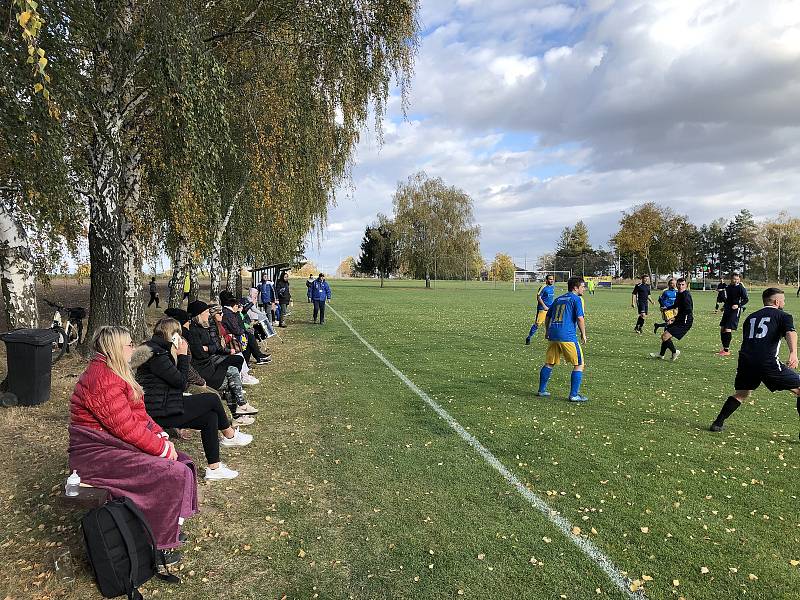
{"points": [[639, 323], [730, 406], [544, 377], [726, 336], [575, 383], [668, 345], [534, 327]]}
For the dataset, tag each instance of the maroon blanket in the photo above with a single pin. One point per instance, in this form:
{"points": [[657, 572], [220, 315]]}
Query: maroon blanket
{"points": [[164, 490]]}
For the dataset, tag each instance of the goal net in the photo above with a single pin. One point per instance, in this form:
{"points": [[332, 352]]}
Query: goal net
{"points": [[528, 279]]}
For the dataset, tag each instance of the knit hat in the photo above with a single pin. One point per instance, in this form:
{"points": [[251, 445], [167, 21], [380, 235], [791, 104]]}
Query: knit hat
{"points": [[197, 307], [178, 314], [215, 309]]}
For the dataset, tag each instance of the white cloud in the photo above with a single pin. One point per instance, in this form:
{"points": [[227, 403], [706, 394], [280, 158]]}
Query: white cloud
{"points": [[546, 112]]}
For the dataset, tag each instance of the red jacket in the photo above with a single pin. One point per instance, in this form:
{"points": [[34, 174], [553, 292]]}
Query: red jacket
{"points": [[103, 400]]}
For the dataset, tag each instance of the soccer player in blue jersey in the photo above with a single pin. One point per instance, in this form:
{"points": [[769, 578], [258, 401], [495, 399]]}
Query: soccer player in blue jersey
{"points": [[544, 298], [564, 320], [666, 301]]}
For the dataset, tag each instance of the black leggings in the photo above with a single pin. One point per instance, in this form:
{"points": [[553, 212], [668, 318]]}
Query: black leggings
{"points": [[206, 413]]}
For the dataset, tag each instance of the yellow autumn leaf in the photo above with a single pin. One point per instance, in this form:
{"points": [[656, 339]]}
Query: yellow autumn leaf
{"points": [[481, 556], [645, 529], [546, 540], [647, 578], [675, 583], [576, 531], [752, 577], [302, 553], [794, 563], [37, 87], [704, 570], [24, 17]]}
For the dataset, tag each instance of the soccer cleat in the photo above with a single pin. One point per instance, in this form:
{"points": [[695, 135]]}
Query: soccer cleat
{"points": [[714, 427], [544, 394], [676, 355], [578, 398], [724, 352], [656, 355], [527, 341]]}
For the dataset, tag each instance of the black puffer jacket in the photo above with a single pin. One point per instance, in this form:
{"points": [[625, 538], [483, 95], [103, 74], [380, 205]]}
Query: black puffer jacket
{"points": [[282, 291], [199, 338], [162, 379]]}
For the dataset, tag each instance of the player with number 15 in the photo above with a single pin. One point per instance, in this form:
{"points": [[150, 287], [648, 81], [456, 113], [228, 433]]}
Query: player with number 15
{"points": [[758, 357]]}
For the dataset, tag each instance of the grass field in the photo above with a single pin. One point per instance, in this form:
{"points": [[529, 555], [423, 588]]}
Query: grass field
{"points": [[355, 488]]}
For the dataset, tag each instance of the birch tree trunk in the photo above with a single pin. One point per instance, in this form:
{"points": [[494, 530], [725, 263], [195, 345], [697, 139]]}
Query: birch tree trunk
{"points": [[194, 284], [215, 262], [17, 281], [131, 190], [180, 267]]}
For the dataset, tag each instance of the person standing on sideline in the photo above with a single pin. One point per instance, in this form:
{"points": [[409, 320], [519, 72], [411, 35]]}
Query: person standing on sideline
{"points": [[544, 298], [758, 356], [564, 320], [187, 287], [267, 297], [720, 294], [153, 293], [640, 297], [309, 282], [681, 324], [284, 296], [319, 292], [735, 299]]}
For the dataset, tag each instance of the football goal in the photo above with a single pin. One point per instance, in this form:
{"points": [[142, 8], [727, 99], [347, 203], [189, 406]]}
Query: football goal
{"points": [[527, 279]]}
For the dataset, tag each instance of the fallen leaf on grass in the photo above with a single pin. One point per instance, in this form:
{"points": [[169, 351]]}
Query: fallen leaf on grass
{"points": [[644, 529], [576, 531], [481, 556], [546, 540], [302, 553], [752, 577], [704, 570]]}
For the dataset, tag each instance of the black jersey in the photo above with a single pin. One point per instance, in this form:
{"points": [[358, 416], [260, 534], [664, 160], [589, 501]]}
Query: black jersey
{"points": [[642, 293], [721, 286], [762, 335], [735, 294], [685, 308]]}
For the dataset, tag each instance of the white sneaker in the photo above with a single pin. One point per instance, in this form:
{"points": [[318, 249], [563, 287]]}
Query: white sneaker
{"points": [[238, 439], [656, 355], [243, 421], [221, 472], [676, 355], [249, 380], [246, 409]]}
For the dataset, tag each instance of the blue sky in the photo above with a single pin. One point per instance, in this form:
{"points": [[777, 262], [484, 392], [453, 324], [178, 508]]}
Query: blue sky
{"points": [[548, 112]]}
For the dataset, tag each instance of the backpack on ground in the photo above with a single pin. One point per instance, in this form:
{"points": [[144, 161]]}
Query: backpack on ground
{"points": [[121, 549]]}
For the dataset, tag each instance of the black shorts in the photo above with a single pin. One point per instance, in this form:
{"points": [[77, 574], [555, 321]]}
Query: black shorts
{"points": [[720, 297], [775, 377], [730, 319], [678, 330], [641, 308]]}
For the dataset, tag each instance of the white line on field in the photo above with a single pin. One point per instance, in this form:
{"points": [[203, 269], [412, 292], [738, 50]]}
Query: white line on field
{"points": [[562, 524]]}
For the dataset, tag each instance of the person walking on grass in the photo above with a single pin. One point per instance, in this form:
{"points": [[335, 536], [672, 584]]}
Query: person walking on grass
{"points": [[544, 298], [640, 297], [153, 293], [284, 297], [309, 281], [759, 360], [320, 292], [563, 322]]}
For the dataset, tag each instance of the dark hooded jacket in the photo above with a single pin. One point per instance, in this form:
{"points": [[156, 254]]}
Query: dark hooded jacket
{"points": [[163, 378]]}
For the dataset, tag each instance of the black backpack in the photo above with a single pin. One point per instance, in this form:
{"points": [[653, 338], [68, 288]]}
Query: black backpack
{"points": [[121, 549]]}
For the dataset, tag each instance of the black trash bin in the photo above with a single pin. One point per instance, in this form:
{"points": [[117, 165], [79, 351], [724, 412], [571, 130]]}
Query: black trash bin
{"points": [[29, 354]]}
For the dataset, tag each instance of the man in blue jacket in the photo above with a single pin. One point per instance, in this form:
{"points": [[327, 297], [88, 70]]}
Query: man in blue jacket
{"points": [[320, 291], [267, 297]]}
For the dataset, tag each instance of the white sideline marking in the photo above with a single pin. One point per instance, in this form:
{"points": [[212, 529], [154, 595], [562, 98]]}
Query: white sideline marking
{"points": [[562, 524]]}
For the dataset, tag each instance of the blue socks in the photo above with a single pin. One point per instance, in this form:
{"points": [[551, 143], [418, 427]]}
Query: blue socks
{"points": [[544, 377], [575, 383], [534, 327]]}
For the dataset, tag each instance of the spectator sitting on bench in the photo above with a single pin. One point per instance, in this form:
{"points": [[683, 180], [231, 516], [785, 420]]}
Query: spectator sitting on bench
{"points": [[115, 445], [161, 367], [219, 365]]}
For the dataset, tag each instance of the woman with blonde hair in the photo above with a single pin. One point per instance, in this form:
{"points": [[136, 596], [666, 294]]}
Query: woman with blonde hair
{"points": [[162, 364], [115, 445]]}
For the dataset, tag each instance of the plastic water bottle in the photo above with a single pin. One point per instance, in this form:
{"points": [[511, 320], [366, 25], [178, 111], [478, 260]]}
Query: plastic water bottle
{"points": [[73, 482]]}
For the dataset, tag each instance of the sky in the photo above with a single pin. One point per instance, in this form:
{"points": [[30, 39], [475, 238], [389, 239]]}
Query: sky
{"points": [[547, 112]]}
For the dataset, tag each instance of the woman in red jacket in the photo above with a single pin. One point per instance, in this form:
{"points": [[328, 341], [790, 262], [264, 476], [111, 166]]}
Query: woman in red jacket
{"points": [[115, 445]]}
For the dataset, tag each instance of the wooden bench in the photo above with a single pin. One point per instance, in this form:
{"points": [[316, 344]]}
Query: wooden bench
{"points": [[88, 497]]}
